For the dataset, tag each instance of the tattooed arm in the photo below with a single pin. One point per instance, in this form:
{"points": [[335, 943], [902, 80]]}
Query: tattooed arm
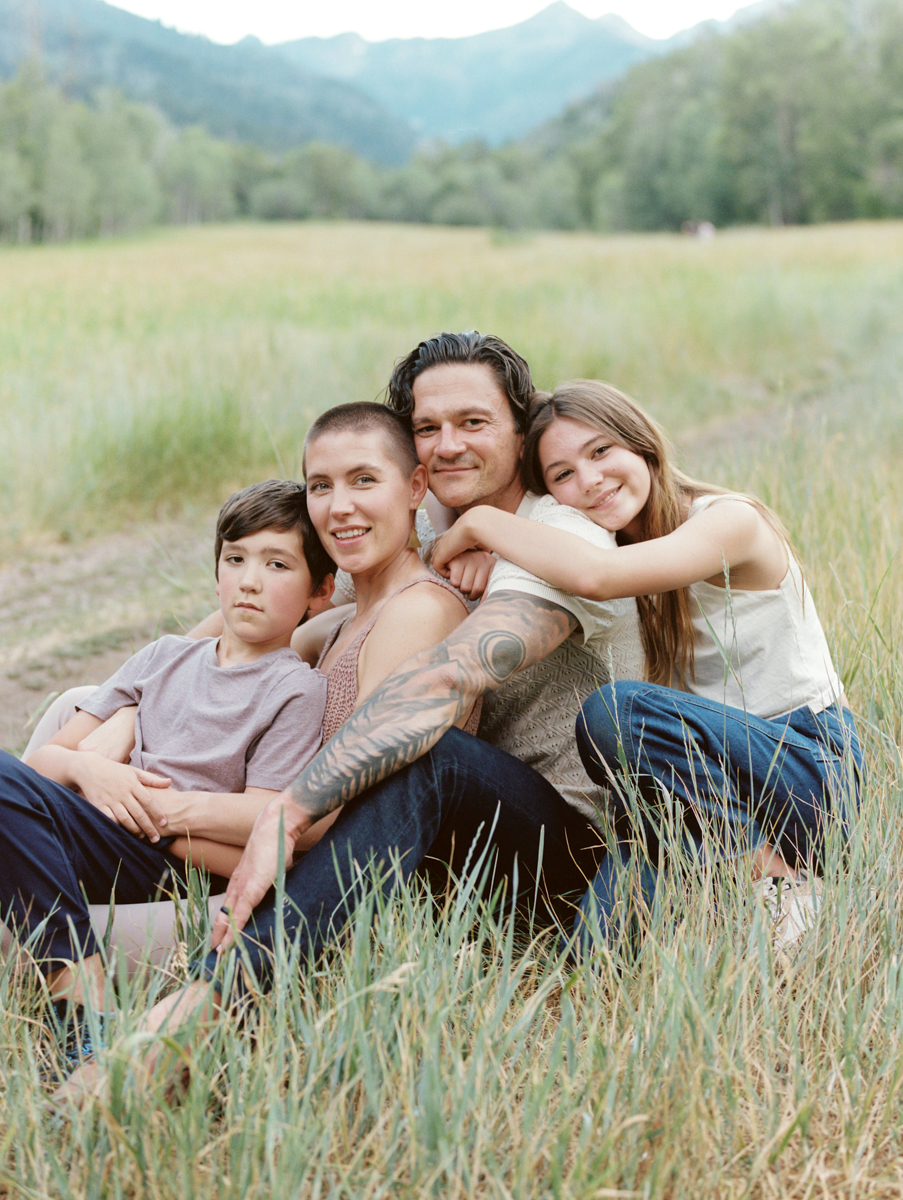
{"points": [[395, 725]]}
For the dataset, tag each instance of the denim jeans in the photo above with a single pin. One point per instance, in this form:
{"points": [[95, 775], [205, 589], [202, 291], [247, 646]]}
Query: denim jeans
{"points": [[58, 854], [461, 797], [727, 781]]}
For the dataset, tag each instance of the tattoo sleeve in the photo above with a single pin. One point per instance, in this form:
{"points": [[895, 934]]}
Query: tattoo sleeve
{"points": [[415, 705]]}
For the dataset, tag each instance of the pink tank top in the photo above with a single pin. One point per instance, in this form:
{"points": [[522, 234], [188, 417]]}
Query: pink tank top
{"points": [[341, 682]]}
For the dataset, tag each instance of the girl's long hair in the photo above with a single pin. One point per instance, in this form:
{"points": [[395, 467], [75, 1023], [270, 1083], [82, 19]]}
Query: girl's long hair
{"points": [[665, 620]]}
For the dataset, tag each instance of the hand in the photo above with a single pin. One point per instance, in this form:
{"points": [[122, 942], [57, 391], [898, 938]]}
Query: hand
{"points": [[469, 572], [460, 538], [277, 826], [123, 793], [115, 738]]}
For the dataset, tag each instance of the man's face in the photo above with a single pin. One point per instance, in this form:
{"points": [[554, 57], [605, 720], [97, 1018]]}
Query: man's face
{"points": [[466, 437]]}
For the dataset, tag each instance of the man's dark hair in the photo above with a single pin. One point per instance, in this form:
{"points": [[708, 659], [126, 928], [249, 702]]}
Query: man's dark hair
{"points": [[274, 504], [366, 417], [511, 372]]}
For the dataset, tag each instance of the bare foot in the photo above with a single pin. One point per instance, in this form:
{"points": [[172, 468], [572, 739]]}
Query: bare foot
{"points": [[182, 1019], [85, 1084]]}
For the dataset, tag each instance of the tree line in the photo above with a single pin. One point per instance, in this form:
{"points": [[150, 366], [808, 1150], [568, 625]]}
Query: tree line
{"points": [[793, 119]]}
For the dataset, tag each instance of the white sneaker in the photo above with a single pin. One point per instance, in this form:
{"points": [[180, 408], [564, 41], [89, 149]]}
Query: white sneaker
{"points": [[792, 905]]}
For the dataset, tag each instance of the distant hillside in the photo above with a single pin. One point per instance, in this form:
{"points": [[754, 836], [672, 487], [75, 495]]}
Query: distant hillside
{"points": [[495, 85], [381, 100], [245, 93]]}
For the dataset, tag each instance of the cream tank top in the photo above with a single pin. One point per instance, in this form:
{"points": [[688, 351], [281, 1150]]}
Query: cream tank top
{"points": [[761, 651]]}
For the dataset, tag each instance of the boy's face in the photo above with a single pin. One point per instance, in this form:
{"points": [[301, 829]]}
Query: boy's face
{"points": [[265, 588]]}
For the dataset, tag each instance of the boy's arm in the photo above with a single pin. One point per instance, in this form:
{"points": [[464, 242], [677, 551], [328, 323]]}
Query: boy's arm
{"points": [[127, 795], [114, 738]]}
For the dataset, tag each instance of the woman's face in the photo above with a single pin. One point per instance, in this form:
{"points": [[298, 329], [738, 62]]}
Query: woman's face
{"points": [[585, 469], [360, 501]]}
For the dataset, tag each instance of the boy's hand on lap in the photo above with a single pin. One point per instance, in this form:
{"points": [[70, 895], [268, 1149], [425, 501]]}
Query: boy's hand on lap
{"points": [[124, 793]]}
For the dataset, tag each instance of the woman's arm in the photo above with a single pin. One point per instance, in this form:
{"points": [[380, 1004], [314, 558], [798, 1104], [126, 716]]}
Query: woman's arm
{"points": [[221, 856], [309, 639], [202, 854], [730, 533], [427, 614], [225, 817]]}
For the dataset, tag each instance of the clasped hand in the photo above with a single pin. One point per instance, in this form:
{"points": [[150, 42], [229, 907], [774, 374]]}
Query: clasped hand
{"points": [[464, 564], [126, 794]]}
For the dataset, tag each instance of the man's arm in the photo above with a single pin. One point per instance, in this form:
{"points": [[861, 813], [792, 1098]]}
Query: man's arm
{"points": [[395, 725]]}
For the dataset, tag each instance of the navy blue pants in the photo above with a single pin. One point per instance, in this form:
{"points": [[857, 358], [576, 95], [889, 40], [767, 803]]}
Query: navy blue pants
{"points": [[462, 797], [58, 854]]}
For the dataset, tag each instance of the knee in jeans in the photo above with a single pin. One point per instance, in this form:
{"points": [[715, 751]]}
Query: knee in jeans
{"points": [[599, 726]]}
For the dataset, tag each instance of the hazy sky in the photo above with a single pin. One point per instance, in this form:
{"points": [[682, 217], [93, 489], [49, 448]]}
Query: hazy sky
{"points": [[282, 20]]}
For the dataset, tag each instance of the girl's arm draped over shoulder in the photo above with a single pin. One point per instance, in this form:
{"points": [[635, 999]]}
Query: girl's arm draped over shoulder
{"points": [[731, 533]]}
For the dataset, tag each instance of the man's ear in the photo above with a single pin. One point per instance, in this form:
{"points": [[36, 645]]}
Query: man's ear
{"points": [[420, 481], [321, 597]]}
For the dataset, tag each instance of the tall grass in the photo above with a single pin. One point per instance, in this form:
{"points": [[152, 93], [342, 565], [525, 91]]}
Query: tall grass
{"points": [[458, 1055], [449, 1049]]}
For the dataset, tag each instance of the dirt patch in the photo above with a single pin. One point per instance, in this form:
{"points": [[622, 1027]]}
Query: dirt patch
{"points": [[72, 613]]}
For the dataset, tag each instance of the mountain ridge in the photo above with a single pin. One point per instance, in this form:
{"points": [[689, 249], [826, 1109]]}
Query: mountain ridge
{"points": [[380, 99], [485, 85]]}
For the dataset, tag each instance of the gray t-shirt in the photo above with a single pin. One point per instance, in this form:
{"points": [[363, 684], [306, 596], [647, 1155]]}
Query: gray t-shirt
{"points": [[217, 729]]}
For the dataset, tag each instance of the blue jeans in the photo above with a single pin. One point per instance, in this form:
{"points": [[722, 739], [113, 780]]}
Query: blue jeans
{"points": [[460, 798], [727, 781], [58, 854]]}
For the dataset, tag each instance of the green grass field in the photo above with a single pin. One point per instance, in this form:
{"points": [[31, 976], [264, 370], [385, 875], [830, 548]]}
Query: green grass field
{"points": [[144, 380]]}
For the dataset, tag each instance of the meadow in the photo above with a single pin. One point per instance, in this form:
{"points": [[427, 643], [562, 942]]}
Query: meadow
{"points": [[450, 1050]]}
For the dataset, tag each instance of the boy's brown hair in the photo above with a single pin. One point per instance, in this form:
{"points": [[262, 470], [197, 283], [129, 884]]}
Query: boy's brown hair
{"points": [[274, 504]]}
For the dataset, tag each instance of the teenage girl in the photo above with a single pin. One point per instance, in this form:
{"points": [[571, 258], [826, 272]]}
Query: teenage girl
{"points": [[742, 718]]}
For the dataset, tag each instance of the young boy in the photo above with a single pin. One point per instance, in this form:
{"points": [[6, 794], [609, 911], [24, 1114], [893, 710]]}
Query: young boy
{"points": [[222, 726]]}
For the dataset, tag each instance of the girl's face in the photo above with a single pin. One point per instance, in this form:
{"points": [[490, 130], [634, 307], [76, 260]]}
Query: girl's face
{"points": [[585, 469], [360, 501]]}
